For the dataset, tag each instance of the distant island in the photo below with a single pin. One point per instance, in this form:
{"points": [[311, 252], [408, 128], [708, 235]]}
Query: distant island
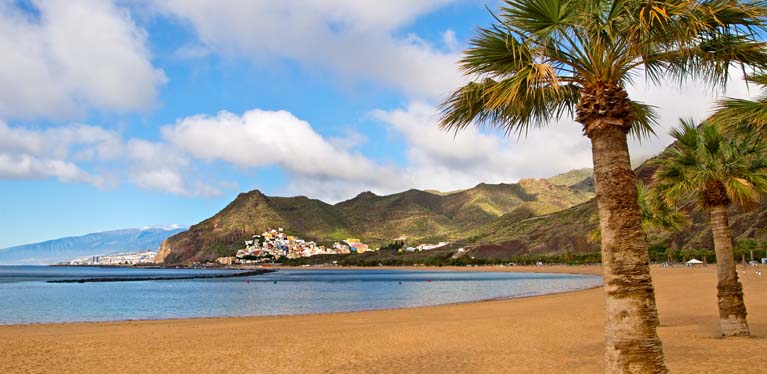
{"points": [[95, 244]]}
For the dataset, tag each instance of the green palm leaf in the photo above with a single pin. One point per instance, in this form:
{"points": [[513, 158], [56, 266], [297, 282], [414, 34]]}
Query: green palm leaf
{"points": [[704, 156]]}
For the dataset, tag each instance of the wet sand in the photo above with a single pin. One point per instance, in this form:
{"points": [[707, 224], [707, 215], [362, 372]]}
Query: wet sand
{"points": [[545, 334]]}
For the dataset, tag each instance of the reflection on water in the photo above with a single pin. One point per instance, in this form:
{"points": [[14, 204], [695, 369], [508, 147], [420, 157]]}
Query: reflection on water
{"points": [[26, 298]]}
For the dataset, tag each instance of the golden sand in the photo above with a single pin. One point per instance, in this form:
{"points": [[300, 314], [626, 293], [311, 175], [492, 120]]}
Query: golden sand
{"points": [[547, 334]]}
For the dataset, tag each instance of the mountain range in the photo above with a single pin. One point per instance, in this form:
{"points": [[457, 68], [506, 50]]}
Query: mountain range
{"points": [[95, 244], [413, 216]]}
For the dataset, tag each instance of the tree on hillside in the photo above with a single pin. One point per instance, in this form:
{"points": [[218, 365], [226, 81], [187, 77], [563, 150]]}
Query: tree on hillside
{"points": [[712, 170], [543, 59]]}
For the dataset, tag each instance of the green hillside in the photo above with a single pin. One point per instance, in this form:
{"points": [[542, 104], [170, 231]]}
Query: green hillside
{"points": [[571, 177], [563, 231], [415, 215], [568, 230]]}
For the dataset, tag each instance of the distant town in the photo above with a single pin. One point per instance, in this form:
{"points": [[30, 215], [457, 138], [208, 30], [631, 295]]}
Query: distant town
{"points": [[135, 258]]}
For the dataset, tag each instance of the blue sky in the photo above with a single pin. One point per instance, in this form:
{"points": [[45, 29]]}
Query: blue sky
{"points": [[117, 114]]}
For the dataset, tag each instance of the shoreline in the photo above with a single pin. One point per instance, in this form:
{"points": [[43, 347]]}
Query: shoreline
{"points": [[551, 333]]}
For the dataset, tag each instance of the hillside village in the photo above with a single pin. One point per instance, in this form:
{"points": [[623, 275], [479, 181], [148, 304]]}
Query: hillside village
{"points": [[275, 244]]}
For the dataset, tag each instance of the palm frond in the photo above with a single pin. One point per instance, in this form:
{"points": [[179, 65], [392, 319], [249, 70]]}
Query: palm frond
{"points": [[748, 115], [495, 52], [647, 120], [540, 18], [527, 99], [657, 214], [704, 155]]}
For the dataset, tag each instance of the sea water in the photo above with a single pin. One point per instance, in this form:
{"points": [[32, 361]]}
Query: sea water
{"points": [[25, 297]]}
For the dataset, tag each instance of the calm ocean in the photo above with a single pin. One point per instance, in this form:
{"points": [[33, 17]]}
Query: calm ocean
{"points": [[25, 297]]}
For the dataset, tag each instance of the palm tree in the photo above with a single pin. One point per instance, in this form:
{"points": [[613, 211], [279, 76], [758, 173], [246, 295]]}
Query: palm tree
{"points": [[713, 170], [657, 214], [543, 59], [752, 114]]}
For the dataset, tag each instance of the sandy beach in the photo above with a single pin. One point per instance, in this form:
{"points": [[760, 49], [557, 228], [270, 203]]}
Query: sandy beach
{"points": [[546, 334]]}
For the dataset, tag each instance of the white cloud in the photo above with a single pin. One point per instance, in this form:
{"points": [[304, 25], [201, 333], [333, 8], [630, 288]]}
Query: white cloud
{"points": [[692, 100], [351, 38], [261, 138], [48, 153], [161, 179], [73, 55], [349, 140], [253, 140], [447, 161], [332, 190], [448, 37], [67, 152], [25, 166]]}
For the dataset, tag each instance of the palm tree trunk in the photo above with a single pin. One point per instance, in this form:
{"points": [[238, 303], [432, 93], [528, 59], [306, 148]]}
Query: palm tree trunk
{"points": [[732, 310], [632, 343]]}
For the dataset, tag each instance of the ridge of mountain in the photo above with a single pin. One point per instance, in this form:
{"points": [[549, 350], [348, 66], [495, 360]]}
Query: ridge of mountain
{"points": [[574, 178], [568, 230], [414, 214]]}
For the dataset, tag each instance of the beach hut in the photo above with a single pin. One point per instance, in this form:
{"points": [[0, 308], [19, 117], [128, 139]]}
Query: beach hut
{"points": [[693, 262]]}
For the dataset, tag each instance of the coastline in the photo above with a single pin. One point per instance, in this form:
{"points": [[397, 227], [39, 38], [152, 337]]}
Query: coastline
{"points": [[555, 332]]}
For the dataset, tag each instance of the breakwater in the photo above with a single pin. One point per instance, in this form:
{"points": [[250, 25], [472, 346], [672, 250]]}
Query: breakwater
{"points": [[182, 277]]}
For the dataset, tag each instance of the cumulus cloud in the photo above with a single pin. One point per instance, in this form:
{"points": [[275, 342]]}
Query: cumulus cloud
{"points": [[691, 100], [47, 153], [261, 138], [67, 56], [67, 153], [29, 167], [319, 166], [446, 160], [171, 181], [353, 39]]}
